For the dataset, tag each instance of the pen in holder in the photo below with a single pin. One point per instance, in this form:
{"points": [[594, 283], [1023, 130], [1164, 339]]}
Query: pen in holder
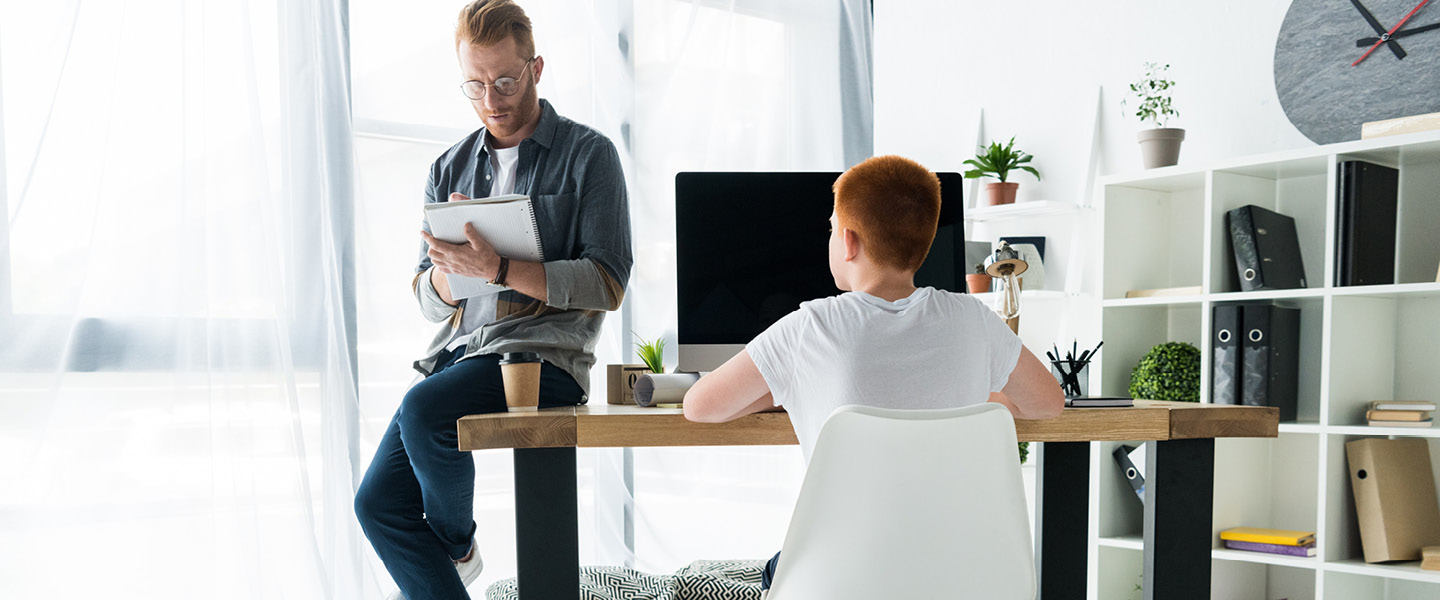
{"points": [[1072, 370], [1074, 377]]}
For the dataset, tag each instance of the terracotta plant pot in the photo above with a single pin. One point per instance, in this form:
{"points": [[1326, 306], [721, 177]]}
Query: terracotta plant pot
{"points": [[1001, 192], [977, 283], [1160, 147]]}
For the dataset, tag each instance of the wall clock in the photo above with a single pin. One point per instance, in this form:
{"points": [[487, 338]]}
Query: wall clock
{"points": [[1341, 63]]}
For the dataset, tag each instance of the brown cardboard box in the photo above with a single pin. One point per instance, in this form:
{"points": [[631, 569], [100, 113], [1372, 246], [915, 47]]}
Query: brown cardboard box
{"points": [[1394, 497], [620, 382]]}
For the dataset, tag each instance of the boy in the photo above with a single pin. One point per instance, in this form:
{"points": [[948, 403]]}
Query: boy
{"points": [[884, 342]]}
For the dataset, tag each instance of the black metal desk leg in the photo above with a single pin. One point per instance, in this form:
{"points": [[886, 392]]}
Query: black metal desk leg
{"points": [[1179, 497], [547, 540], [1063, 509]]}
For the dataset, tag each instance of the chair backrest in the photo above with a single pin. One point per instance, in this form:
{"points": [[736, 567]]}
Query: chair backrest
{"points": [[910, 504]]}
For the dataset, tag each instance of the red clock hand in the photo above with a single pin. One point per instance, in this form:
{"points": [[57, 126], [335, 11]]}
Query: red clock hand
{"points": [[1391, 32]]}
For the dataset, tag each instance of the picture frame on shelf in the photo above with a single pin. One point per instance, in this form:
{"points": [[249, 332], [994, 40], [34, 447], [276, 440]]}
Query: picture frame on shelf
{"points": [[1038, 241], [1034, 276]]}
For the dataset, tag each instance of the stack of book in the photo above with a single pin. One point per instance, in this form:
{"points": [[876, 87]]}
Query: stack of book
{"points": [[1271, 541], [1430, 558], [1390, 413]]}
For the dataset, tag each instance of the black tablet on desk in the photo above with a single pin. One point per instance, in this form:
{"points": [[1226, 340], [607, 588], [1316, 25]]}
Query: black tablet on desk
{"points": [[1099, 401]]}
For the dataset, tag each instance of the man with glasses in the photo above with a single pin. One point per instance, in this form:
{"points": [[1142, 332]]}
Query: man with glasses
{"points": [[415, 503]]}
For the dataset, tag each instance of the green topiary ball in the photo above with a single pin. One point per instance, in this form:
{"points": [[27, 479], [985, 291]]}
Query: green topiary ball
{"points": [[1170, 371]]}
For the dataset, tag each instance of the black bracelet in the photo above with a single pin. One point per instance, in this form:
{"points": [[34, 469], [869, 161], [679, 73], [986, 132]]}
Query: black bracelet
{"points": [[500, 273]]}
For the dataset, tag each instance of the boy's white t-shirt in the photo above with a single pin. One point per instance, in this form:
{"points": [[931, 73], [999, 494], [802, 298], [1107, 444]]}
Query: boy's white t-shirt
{"points": [[932, 349]]}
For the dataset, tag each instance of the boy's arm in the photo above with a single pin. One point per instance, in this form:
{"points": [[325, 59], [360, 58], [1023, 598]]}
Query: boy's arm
{"points": [[1031, 392], [732, 391]]}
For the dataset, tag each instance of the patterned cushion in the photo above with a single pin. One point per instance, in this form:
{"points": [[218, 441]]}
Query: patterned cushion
{"points": [[701, 580]]}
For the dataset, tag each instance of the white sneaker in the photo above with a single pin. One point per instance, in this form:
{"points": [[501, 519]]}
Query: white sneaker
{"points": [[468, 570]]}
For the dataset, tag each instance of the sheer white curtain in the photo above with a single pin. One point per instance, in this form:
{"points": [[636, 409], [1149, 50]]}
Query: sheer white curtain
{"points": [[729, 86], [177, 374]]}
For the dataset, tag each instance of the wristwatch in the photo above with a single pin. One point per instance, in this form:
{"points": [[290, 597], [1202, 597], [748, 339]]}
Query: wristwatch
{"points": [[500, 273]]}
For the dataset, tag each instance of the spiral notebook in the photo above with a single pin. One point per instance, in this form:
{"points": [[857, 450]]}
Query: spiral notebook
{"points": [[507, 222]]}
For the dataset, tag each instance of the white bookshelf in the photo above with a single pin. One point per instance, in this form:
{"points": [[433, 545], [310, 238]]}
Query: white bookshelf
{"points": [[1165, 228]]}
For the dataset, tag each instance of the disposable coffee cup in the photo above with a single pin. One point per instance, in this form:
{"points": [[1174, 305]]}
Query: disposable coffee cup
{"points": [[521, 373]]}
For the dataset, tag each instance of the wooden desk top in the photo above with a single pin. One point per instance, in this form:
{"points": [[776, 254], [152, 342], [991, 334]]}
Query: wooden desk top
{"points": [[613, 426]]}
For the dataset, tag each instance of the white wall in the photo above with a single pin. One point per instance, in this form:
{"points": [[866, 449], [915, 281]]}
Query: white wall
{"points": [[1036, 67]]}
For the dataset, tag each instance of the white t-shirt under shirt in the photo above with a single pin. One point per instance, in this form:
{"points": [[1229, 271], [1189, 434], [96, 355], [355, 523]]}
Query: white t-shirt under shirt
{"points": [[480, 310], [933, 349]]}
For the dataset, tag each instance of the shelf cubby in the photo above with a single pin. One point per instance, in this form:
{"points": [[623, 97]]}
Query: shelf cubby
{"points": [[1131, 331], [1122, 514], [1417, 248], [1272, 483], [1120, 573], [1341, 533], [1366, 583], [1157, 240], [1297, 189], [1243, 580], [1383, 347]]}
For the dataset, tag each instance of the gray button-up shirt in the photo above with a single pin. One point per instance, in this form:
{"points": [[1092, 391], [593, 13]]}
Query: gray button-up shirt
{"points": [[573, 175]]}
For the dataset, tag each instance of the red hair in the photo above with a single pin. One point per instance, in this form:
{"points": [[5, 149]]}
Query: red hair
{"points": [[489, 22], [893, 204]]}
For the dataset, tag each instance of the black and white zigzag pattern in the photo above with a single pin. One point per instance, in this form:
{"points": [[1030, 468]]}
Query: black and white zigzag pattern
{"points": [[701, 580]]}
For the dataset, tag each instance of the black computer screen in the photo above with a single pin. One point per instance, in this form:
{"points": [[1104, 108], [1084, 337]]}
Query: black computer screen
{"points": [[750, 247]]}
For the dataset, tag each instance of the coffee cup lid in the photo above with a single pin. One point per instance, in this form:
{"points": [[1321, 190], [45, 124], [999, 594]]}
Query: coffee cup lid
{"points": [[510, 358]]}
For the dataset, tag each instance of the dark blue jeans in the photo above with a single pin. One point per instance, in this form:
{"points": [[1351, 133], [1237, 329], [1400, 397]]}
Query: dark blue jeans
{"points": [[417, 499], [768, 575]]}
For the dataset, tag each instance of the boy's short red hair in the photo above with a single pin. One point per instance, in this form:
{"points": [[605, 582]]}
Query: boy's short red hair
{"points": [[893, 204], [489, 22]]}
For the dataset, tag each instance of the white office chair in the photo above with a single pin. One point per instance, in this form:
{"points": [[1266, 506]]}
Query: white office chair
{"points": [[910, 504]]}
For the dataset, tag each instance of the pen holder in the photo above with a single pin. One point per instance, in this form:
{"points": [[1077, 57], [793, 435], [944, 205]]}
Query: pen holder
{"points": [[1074, 379]]}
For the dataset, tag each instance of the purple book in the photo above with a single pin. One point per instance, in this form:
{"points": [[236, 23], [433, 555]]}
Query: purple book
{"points": [[1308, 550]]}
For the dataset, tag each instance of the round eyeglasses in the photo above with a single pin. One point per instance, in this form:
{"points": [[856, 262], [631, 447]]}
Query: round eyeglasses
{"points": [[505, 86]]}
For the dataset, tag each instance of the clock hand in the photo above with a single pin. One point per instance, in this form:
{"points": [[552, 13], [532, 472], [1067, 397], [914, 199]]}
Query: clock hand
{"points": [[1380, 29], [1392, 30], [1399, 34]]}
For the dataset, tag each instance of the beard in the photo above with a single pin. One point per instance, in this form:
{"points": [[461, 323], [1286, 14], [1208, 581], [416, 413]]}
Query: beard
{"points": [[521, 114]]}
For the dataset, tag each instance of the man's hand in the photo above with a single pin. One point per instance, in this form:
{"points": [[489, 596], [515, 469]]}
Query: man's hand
{"points": [[474, 258]]}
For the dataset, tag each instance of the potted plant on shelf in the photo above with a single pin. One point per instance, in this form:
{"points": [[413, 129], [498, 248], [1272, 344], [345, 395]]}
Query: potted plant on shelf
{"points": [[997, 161], [977, 281], [1159, 146], [1169, 371]]}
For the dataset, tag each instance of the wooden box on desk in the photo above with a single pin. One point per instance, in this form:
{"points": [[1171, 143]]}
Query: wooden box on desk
{"points": [[620, 382]]}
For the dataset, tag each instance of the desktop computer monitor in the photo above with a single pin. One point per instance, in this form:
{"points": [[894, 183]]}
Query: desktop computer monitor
{"points": [[750, 247]]}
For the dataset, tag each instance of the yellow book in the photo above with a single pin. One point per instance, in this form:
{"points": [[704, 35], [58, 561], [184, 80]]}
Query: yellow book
{"points": [[1260, 535]]}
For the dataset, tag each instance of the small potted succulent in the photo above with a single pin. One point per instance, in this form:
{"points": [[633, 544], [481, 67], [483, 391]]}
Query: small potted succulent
{"points": [[1159, 146], [997, 161], [652, 353], [977, 281]]}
